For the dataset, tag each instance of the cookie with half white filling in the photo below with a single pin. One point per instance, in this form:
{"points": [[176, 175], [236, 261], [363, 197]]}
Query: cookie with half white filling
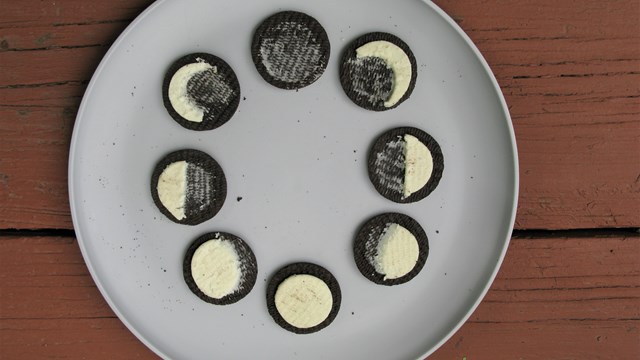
{"points": [[405, 164], [378, 71], [188, 186], [201, 91], [390, 249], [220, 268], [290, 50], [303, 298]]}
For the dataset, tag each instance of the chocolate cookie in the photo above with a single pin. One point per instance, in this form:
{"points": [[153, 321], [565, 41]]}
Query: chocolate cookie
{"points": [[220, 268], [405, 164], [201, 91], [378, 71], [303, 298], [188, 186], [390, 249], [290, 50]]}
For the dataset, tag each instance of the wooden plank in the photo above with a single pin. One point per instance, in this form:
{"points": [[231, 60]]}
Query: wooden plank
{"points": [[566, 68], [107, 338], [97, 338], [33, 13], [47, 278], [553, 298], [66, 36], [59, 65], [587, 340], [33, 166], [569, 71], [572, 18]]}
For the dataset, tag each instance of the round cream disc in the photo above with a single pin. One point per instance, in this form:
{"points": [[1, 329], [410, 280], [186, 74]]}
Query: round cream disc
{"points": [[215, 268], [303, 301]]}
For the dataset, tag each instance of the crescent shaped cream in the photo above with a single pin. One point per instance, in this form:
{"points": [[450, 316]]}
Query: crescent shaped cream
{"points": [[397, 60]]}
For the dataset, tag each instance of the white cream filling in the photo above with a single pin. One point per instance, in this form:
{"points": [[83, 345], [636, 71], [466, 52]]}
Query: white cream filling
{"points": [[216, 269], [303, 301], [418, 165], [397, 252], [180, 100], [172, 188], [397, 60]]}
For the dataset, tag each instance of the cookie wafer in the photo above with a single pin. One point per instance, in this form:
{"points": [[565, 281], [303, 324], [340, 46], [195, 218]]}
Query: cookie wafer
{"points": [[188, 186], [390, 249], [378, 71], [405, 164], [200, 91], [303, 298], [290, 50], [220, 268]]}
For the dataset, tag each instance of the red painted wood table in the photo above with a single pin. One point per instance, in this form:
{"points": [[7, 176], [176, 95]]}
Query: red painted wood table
{"points": [[569, 287]]}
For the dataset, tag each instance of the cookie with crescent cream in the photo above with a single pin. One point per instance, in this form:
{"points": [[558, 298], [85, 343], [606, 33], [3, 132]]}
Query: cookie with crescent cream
{"points": [[390, 249], [201, 91], [220, 268], [378, 71], [303, 298], [405, 164], [188, 186]]}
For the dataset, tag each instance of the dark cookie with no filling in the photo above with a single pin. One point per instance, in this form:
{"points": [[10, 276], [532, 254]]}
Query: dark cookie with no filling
{"points": [[386, 164], [247, 265], [201, 91], [290, 50], [365, 246], [205, 188], [369, 80], [303, 268]]}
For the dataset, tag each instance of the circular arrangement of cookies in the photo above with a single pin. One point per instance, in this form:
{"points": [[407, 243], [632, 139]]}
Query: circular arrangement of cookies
{"points": [[291, 50]]}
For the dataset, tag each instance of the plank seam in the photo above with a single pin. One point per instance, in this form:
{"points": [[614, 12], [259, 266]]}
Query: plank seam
{"points": [[56, 47], [553, 320], [57, 83], [37, 233], [575, 233]]}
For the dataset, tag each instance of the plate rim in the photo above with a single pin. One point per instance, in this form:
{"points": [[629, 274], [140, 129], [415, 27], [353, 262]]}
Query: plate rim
{"points": [[71, 182], [113, 48], [516, 173]]}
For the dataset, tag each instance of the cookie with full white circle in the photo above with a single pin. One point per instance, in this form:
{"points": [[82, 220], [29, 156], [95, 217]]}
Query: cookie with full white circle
{"points": [[201, 91], [188, 186], [220, 268], [290, 50], [390, 249], [378, 71], [303, 298], [405, 164]]}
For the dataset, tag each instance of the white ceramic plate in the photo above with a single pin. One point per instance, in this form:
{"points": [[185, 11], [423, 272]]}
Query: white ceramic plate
{"points": [[298, 160]]}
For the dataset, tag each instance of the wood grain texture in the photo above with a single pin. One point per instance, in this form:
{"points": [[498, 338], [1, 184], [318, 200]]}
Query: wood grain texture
{"points": [[48, 52], [570, 71], [558, 298], [32, 13]]}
